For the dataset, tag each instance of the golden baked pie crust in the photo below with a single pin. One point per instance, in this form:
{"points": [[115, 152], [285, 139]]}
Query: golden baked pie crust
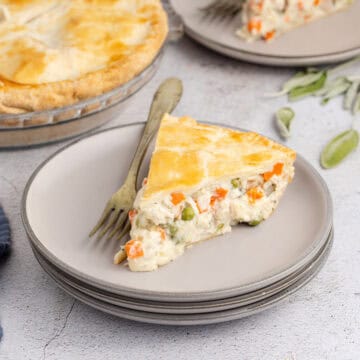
{"points": [[18, 98], [189, 154]]}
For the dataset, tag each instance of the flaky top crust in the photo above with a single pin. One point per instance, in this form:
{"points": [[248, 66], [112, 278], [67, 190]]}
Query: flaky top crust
{"points": [[189, 155], [20, 98]]}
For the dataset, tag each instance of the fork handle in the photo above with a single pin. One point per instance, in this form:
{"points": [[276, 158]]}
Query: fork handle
{"points": [[165, 100]]}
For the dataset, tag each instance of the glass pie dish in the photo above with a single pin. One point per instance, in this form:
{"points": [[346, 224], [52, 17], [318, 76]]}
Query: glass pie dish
{"points": [[43, 127]]}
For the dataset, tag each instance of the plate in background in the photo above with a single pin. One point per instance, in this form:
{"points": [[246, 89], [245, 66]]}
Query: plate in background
{"points": [[327, 40], [66, 194]]}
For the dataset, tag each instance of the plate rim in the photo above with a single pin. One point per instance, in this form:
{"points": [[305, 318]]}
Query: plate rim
{"points": [[262, 58], [201, 307], [157, 295], [207, 318], [271, 59]]}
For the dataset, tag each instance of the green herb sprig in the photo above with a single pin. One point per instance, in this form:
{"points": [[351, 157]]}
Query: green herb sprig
{"points": [[324, 84]]}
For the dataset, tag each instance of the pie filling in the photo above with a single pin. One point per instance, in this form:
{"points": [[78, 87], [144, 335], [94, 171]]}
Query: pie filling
{"points": [[162, 229], [268, 18]]}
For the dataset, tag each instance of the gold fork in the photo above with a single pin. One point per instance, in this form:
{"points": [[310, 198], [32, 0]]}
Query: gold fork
{"points": [[114, 219]]}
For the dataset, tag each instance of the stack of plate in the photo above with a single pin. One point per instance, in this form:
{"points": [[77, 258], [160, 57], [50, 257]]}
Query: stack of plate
{"points": [[222, 279]]}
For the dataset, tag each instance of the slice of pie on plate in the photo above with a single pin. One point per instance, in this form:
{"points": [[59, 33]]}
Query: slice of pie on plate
{"points": [[58, 52], [266, 19], [202, 179]]}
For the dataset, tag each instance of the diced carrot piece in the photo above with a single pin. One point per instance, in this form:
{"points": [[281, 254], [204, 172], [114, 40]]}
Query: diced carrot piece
{"points": [[134, 249], [177, 198], [269, 35], [221, 193], [316, 2], [132, 214], [278, 168], [254, 25], [254, 194], [145, 181], [300, 5], [260, 5], [213, 200], [268, 175]]}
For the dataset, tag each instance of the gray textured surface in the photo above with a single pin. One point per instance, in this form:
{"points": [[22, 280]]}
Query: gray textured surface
{"points": [[321, 321]]}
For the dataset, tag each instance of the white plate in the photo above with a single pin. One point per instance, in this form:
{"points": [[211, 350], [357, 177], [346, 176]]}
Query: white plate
{"points": [[331, 39], [200, 319], [180, 307], [66, 195]]}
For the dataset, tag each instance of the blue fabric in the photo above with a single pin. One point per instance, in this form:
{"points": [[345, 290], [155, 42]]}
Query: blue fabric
{"points": [[5, 234]]}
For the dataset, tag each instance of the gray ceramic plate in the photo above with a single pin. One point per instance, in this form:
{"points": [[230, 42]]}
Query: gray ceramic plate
{"points": [[178, 307], [332, 38], [207, 318], [66, 194]]}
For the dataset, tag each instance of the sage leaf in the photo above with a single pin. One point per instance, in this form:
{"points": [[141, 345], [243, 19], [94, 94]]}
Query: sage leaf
{"points": [[351, 95], [284, 118], [352, 78], [330, 85], [298, 80], [356, 106], [339, 148], [310, 89], [336, 88]]}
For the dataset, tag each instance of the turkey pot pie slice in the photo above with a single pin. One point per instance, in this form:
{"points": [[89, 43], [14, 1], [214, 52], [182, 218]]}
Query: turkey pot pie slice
{"points": [[202, 180], [58, 52], [267, 19]]}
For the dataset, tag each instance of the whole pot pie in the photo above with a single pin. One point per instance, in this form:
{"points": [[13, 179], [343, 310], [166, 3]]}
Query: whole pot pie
{"points": [[55, 52]]}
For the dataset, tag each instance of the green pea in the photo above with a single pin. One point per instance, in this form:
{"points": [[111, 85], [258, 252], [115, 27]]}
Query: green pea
{"points": [[235, 183], [187, 214], [220, 227], [173, 230], [254, 222]]}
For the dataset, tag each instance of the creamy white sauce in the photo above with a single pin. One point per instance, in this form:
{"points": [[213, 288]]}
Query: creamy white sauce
{"points": [[210, 221]]}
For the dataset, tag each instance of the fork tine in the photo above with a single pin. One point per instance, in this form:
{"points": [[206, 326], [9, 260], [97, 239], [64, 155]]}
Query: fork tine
{"points": [[119, 225], [112, 220], [104, 216], [212, 8], [124, 231], [227, 9], [221, 9]]}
